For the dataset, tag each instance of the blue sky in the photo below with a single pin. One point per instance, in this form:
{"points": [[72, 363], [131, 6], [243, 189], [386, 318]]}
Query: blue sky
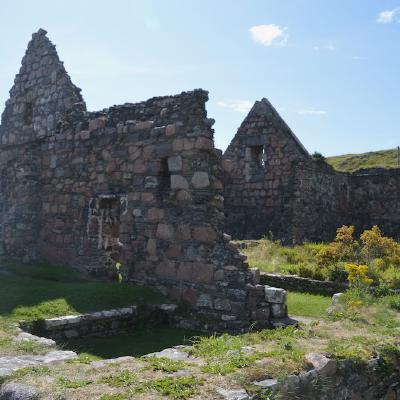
{"points": [[330, 67]]}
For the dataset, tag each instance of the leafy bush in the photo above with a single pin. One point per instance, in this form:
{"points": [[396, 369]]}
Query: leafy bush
{"points": [[326, 261]]}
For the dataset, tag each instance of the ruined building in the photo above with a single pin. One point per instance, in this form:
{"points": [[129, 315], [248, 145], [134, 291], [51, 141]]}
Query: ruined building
{"points": [[142, 185], [273, 187], [139, 184]]}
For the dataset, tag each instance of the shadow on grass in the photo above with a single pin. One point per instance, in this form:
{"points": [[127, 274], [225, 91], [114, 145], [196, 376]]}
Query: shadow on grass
{"points": [[137, 343], [30, 292]]}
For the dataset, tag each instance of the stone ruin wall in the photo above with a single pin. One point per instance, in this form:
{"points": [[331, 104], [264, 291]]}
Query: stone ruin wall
{"points": [[259, 180], [274, 188], [138, 184]]}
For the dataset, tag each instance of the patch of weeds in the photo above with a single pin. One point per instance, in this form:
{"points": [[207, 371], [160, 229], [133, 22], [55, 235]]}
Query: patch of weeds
{"points": [[389, 358], [33, 371], [124, 378], [229, 363], [357, 348], [83, 358], [176, 388], [259, 393], [213, 346], [287, 349], [385, 319], [5, 342], [22, 347], [164, 364], [73, 384], [113, 397], [394, 303], [280, 334]]}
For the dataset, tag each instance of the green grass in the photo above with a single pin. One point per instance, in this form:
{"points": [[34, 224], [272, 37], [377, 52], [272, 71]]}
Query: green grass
{"points": [[73, 384], [40, 291], [353, 162], [137, 343], [176, 388], [164, 364], [122, 379], [308, 305]]}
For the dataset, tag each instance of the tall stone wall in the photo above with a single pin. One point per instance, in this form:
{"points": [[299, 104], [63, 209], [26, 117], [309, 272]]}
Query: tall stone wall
{"points": [[137, 184], [274, 188], [375, 199], [259, 179]]}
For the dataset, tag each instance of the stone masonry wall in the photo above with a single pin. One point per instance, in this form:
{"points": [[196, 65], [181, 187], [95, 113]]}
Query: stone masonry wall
{"points": [[274, 188], [259, 179], [137, 184]]}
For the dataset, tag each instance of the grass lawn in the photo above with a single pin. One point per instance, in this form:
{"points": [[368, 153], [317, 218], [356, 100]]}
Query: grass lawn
{"points": [[308, 305], [30, 292]]}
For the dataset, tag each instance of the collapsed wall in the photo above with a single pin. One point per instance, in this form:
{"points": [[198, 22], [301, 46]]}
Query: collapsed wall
{"points": [[138, 185], [274, 188]]}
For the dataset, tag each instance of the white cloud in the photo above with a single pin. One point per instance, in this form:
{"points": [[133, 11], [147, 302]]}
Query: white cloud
{"points": [[240, 106], [388, 16], [269, 35], [311, 111]]}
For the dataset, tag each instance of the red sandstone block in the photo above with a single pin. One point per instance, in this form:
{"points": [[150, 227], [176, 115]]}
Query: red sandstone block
{"points": [[204, 234], [166, 269], [177, 145], [155, 214], [183, 195], [203, 143], [151, 247], [183, 232], [165, 232], [143, 125], [170, 129], [148, 197], [185, 271], [139, 167], [203, 273], [97, 123], [174, 251], [84, 135], [190, 295]]}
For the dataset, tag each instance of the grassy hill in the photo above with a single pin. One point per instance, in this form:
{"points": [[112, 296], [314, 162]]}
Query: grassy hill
{"points": [[353, 162]]}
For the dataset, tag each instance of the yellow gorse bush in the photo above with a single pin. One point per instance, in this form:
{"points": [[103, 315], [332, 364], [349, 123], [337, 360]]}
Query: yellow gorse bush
{"points": [[357, 274]]}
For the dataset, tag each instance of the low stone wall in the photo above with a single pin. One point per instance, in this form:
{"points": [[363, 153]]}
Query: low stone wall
{"points": [[299, 284], [101, 323], [340, 380]]}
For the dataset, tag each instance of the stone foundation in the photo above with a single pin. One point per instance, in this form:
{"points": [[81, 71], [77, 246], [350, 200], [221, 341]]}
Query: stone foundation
{"points": [[102, 323]]}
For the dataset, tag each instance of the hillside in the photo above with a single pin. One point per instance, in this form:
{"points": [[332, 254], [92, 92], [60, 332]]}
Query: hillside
{"points": [[353, 162]]}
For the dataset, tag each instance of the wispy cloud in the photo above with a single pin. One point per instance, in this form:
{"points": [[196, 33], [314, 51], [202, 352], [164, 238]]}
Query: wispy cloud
{"points": [[269, 35], [389, 16], [328, 47], [358, 58], [240, 106], [311, 111]]}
